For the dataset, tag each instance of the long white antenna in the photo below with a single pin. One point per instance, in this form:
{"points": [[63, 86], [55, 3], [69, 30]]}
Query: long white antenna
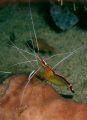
{"points": [[29, 78], [19, 50], [68, 56], [33, 26], [34, 32], [5, 72], [23, 62]]}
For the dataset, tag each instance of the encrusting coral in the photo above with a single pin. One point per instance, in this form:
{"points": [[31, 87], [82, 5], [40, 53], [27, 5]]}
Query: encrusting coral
{"points": [[39, 102]]}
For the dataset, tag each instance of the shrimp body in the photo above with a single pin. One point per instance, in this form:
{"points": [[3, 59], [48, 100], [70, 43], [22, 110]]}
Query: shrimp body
{"points": [[52, 77]]}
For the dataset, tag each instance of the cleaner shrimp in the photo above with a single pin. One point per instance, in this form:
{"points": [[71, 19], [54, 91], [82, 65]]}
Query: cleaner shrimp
{"points": [[70, 69]]}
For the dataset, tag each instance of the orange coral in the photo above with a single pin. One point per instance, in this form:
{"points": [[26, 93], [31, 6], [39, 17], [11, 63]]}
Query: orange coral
{"points": [[40, 102]]}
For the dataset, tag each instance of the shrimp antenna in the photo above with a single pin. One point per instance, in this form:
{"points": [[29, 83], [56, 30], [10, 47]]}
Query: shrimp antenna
{"points": [[29, 78], [34, 33], [5, 72], [18, 50], [22, 62], [21, 49], [69, 55], [26, 52], [34, 53]]}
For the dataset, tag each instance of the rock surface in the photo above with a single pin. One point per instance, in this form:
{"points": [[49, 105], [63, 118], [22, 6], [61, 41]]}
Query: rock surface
{"points": [[63, 17]]}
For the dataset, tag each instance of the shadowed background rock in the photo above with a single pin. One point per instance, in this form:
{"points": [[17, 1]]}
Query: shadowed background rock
{"points": [[5, 1], [40, 102], [63, 17]]}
